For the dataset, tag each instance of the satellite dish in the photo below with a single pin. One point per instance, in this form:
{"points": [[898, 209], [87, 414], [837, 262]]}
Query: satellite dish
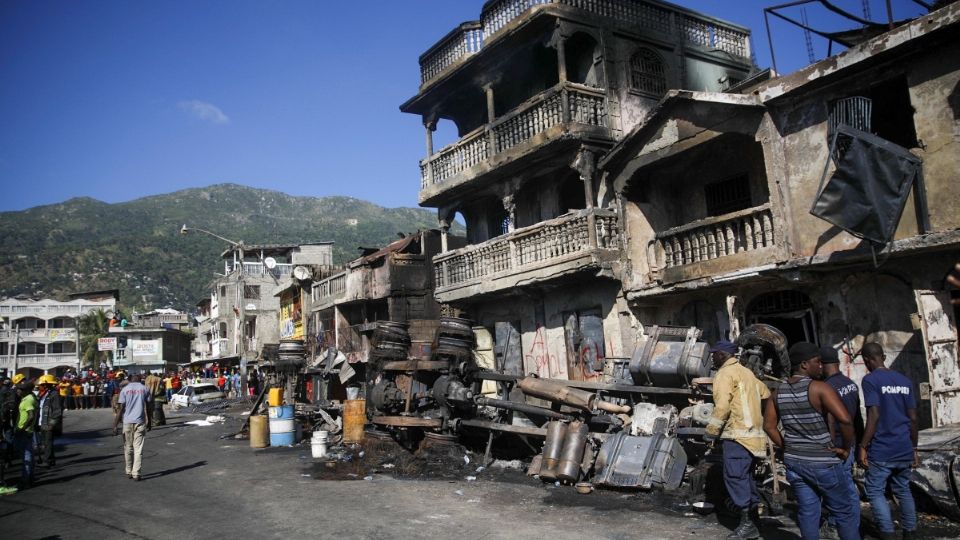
{"points": [[270, 263], [302, 273]]}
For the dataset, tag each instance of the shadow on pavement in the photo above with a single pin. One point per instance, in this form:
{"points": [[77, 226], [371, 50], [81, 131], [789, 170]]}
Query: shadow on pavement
{"points": [[88, 459], [69, 477], [174, 470]]}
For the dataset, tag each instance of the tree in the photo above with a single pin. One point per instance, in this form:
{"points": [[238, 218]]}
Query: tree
{"points": [[92, 326]]}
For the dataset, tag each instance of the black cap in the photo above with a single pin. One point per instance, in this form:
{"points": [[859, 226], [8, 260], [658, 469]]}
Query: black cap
{"points": [[802, 351], [828, 355]]}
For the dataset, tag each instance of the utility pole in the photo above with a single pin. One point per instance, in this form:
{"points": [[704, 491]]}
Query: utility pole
{"points": [[16, 345]]}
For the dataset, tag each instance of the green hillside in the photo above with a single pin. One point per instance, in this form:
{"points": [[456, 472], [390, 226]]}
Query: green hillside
{"points": [[84, 244]]}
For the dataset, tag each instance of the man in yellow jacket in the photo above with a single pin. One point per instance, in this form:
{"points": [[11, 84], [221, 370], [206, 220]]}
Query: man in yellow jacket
{"points": [[737, 421]]}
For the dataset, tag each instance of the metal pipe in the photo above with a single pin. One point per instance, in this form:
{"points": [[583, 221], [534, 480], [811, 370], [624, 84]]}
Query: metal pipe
{"points": [[521, 407], [553, 445], [568, 469], [519, 430]]}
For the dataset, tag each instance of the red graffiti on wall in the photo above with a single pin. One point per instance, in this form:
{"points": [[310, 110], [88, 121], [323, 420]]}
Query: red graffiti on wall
{"points": [[538, 355]]}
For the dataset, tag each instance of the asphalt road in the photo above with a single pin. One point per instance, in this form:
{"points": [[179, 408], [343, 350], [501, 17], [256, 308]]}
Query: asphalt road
{"points": [[197, 485]]}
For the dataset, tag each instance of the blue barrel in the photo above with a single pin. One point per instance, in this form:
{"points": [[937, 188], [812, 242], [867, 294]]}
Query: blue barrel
{"points": [[282, 426]]}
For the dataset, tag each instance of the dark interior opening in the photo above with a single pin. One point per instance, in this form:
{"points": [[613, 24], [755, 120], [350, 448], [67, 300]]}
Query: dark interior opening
{"points": [[728, 195], [580, 52], [530, 72], [571, 194]]}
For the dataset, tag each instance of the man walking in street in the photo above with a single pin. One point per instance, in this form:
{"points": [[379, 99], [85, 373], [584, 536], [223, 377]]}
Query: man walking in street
{"points": [[157, 393], [23, 438], [134, 410], [737, 421], [51, 414], [815, 467], [888, 450]]}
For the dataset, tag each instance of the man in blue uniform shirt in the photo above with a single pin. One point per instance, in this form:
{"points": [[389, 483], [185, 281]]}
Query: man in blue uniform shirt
{"points": [[888, 450]]}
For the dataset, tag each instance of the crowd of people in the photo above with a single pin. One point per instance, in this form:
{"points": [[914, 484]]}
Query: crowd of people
{"points": [[814, 419]]}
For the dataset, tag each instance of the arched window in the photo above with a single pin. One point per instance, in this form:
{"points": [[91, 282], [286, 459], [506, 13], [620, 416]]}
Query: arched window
{"points": [[647, 73]]}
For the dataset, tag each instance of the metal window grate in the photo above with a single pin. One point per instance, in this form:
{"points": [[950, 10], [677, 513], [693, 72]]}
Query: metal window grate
{"points": [[647, 73], [728, 196]]}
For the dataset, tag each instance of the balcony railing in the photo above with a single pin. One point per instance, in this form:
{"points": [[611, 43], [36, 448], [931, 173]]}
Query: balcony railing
{"points": [[29, 334], [52, 310], [463, 154], [465, 40], [40, 361], [259, 269], [712, 238], [471, 37], [536, 246], [564, 103], [330, 287]]}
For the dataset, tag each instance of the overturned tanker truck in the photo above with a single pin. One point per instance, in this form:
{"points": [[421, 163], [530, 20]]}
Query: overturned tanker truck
{"points": [[641, 426]]}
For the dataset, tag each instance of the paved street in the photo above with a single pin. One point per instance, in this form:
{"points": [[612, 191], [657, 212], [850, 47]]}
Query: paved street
{"points": [[199, 486]]}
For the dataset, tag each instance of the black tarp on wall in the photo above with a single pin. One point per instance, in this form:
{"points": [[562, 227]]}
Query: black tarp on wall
{"points": [[867, 191]]}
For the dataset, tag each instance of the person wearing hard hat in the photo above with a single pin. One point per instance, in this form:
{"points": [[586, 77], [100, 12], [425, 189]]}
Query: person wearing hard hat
{"points": [[51, 414], [23, 432]]}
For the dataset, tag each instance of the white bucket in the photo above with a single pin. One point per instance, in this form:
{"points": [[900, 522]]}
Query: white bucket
{"points": [[353, 392], [318, 449], [321, 436]]}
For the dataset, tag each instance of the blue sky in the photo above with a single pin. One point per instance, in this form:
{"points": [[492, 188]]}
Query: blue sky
{"points": [[117, 100]]}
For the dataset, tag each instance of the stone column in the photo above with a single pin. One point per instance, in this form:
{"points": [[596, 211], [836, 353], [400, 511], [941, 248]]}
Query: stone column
{"points": [[491, 116], [585, 164], [430, 125]]}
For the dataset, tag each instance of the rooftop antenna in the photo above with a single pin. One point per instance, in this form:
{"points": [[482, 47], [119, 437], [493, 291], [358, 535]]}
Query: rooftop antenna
{"points": [[806, 36]]}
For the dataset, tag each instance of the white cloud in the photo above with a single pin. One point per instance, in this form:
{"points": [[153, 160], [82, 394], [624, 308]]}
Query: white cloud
{"points": [[208, 112]]}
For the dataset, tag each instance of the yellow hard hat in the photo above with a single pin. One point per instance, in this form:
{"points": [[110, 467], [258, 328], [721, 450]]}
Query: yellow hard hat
{"points": [[47, 379], [18, 378]]}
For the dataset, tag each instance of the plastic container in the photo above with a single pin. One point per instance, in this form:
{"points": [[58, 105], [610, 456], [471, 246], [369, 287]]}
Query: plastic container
{"points": [[282, 426], [354, 420], [318, 444], [259, 432], [275, 397]]}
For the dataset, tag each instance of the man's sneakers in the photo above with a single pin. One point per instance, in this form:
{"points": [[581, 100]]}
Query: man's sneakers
{"points": [[4, 490]]}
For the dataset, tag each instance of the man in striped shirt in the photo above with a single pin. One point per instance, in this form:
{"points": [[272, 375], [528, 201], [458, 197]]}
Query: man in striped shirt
{"points": [[815, 467]]}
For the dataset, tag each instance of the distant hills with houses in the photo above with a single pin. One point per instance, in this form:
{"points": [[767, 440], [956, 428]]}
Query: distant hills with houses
{"points": [[85, 244]]}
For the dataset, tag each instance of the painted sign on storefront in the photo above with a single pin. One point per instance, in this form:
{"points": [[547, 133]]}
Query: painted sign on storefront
{"points": [[107, 344], [138, 347], [291, 315]]}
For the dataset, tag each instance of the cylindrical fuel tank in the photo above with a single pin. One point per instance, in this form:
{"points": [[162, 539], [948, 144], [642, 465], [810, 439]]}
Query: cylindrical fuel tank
{"points": [[568, 469], [670, 358], [553, 444]]}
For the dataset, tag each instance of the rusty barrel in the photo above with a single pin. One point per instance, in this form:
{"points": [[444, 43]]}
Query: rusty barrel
{"points": [[259, 434], [354, 419]]}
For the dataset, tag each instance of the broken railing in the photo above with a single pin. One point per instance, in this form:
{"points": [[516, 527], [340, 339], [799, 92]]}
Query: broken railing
{"points": [[536, 246], [330, 287], [676, 24], [715, 237], [564, 103]]}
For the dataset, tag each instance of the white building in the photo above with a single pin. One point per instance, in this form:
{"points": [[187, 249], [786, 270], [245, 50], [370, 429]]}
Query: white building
{"points": [[39, 336]]}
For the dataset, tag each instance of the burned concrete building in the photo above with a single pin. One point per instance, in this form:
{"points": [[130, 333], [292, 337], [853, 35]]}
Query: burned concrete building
{"points": [[393, 283], [538, 91], [822, 203]]}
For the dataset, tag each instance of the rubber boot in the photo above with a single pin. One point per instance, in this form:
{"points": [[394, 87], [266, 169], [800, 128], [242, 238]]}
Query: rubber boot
{"points": [[746, 530]]}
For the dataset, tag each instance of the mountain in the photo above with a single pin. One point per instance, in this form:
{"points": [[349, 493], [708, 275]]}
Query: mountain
{"points": [[84, 244]]}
